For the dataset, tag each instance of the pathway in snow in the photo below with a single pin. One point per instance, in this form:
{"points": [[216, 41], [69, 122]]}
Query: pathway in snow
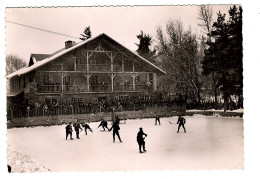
{"points": [[210, 143]]}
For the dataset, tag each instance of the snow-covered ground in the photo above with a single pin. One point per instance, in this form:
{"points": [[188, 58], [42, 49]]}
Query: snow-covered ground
{"points": [[241, 110], [22, 163], [210, 143]]}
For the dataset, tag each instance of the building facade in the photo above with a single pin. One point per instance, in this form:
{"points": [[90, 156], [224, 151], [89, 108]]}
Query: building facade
{"points": [[96, 69]]}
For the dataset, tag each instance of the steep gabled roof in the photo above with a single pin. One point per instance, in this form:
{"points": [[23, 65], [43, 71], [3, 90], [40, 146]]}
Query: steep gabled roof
{"points": [[34, 58], [40, 57], [62, 52]]}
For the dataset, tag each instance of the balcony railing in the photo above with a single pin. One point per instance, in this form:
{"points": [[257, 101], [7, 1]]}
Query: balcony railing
{"points": [[92, 88], [83, 67], [75, 88], [143, 88], [48, 88], [100, 87]]}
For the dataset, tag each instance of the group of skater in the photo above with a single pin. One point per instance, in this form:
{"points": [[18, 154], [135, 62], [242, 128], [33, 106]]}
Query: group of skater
{"points": [[79, 127]]}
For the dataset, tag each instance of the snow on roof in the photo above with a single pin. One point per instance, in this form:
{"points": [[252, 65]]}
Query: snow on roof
{"points": [[39, 57], [64, 51]]}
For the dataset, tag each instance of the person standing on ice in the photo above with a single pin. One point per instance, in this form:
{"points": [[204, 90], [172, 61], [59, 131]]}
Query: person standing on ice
{"points": [[140, 140], [103, 123], [181, 122], [86, 127], [69, 131], [116, 129], [77, 127], [157, 118]]}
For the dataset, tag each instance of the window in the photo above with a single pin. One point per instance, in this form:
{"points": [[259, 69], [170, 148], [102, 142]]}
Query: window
{"points": [[67, 80], [47, 78], [15, 83], [50, 78]]}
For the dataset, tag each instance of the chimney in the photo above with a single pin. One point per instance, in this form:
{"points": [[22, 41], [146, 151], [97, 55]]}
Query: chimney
{"points": [[69, 44]]}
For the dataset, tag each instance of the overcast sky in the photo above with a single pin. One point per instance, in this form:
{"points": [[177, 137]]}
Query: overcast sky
{"points": [[120, 23]]}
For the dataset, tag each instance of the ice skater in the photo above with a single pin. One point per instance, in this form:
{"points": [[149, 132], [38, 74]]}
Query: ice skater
{"points": [[86, 127], [157, 118], [69, 131], [103, 123], [140, 140], [116, 129], [181, 122], [77, 127]]}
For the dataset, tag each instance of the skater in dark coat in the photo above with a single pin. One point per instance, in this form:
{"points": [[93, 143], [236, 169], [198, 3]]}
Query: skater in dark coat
{"points": [[69, 131], [157, 118], [86, 127], [116, 129], [140, 140], [181, 122], [103, 123], [77, 127]]}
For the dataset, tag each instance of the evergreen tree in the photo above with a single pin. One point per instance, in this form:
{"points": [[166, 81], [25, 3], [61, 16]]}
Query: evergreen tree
{"points": [[86, 34], [144, 46], [224, 54]]}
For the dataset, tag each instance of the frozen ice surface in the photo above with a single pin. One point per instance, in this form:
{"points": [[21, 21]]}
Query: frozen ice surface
{"points": [[210, 143]]}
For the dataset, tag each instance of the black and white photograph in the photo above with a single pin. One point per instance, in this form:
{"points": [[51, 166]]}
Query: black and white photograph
{"points": [[124, 88]]}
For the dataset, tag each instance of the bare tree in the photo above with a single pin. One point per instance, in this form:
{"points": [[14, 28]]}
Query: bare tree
{"points": [[178, 52], [205, 14], [13, 63]]}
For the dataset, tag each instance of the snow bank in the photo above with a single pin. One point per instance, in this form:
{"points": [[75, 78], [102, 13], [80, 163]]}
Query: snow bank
{"points": [[22, 163], [214, 110]]}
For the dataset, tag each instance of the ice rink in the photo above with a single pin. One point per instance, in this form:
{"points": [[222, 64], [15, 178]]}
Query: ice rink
{"points": [[210, 143]]}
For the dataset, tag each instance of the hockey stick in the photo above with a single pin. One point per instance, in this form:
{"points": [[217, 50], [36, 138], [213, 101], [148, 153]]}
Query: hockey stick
{"points": [[94, 129], [171, 122]]}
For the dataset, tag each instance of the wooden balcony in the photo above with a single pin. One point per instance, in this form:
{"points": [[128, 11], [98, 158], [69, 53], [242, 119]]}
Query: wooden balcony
{"points": [[92, 88], [49, 88], [143, 88]]}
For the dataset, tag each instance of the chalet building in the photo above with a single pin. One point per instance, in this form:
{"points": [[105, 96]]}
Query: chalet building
{"points": [[94, 69]]}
